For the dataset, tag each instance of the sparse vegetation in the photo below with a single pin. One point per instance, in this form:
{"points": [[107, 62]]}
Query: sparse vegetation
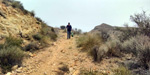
{"points": [[122, 71], [32, 47], [10, 53], [120, 41], [37, 36], [64, 68], [91, 72], [11, 41], [88, 41], [63, 27], [15, 4], [32, 13]]}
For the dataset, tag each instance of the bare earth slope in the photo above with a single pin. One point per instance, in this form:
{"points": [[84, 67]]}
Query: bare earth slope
{"points": [[63, 52], [13, 21]]}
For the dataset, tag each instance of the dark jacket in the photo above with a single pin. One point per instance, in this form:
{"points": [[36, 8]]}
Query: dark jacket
{"points": [[69, 28]]}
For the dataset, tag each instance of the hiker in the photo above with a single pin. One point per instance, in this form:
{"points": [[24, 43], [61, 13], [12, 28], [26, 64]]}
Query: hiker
{"points": [[69, 28]]}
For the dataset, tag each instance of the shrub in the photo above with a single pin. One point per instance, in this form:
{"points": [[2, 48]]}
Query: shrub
{"points": [[64, 68], [32, 47], [104, 35], [38, 19], [37, 36], [136, 44], [91, 72], [32, 13], [45, 41], [63, 27], [128, 32], [10, 56], [53, 36], [122, 71], [144, 58], [17, 4], [140, 47], [143, 22], [49, 32], [77, 31], [11, 41], [109, 49], [87, 42]]}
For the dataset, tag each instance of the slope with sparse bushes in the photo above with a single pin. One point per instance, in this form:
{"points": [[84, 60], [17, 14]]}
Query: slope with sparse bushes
{"points": [[120, 42], [20, 33]]}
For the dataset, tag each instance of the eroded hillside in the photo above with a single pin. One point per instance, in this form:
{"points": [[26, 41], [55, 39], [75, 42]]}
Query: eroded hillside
{"points": [[13, 21]]}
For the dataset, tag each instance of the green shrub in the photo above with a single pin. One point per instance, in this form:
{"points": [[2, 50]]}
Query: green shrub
{"points": [[11, 41], [136, 44], [122, 71], [32, 13], [64, 68], [38, 19], [17, 4], [45, 41], [140, 47], [49, 32], [109, 49], [53, 36], [38, 36], [63, 27], [143, 22], [87, 42], [10, 56], [32, 47], [91, 72]]}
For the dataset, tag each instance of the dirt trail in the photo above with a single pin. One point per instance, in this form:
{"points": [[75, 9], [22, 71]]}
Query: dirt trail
{"points": [[63, 52]]}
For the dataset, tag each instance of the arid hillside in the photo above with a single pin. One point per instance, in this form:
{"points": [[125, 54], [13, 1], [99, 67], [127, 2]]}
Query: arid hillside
{"points": [[21, 34], [13, 21]]}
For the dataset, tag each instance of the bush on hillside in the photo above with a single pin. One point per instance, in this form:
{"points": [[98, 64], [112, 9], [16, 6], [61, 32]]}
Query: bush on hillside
{"points": [[38, 36], [88, 41], [11, 41], [63, 27], [49, 32], [32, 13], [38, 19], [143, 22], [140, 47], [17, 4], [77, 31], [91, 72], [128, 32], [33, 46], [10, 56], [122, 71], [10, 53], [111, 48]]}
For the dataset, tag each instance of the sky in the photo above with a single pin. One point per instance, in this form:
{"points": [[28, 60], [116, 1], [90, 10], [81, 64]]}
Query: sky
{"points": [[86, 14]]}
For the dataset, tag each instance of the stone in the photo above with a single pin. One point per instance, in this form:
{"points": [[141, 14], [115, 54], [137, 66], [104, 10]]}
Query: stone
{"points": [[71, 69], [31, 55], [9, 73], [77, 72], [19, 70], [14, 67], [45, 73]]}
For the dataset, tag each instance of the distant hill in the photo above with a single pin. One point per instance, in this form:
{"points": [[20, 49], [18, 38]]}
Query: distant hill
{"points": [[103, 27]]}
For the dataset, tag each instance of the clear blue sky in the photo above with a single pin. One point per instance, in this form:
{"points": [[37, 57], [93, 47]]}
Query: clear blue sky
{"points": [[86, 14]]}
